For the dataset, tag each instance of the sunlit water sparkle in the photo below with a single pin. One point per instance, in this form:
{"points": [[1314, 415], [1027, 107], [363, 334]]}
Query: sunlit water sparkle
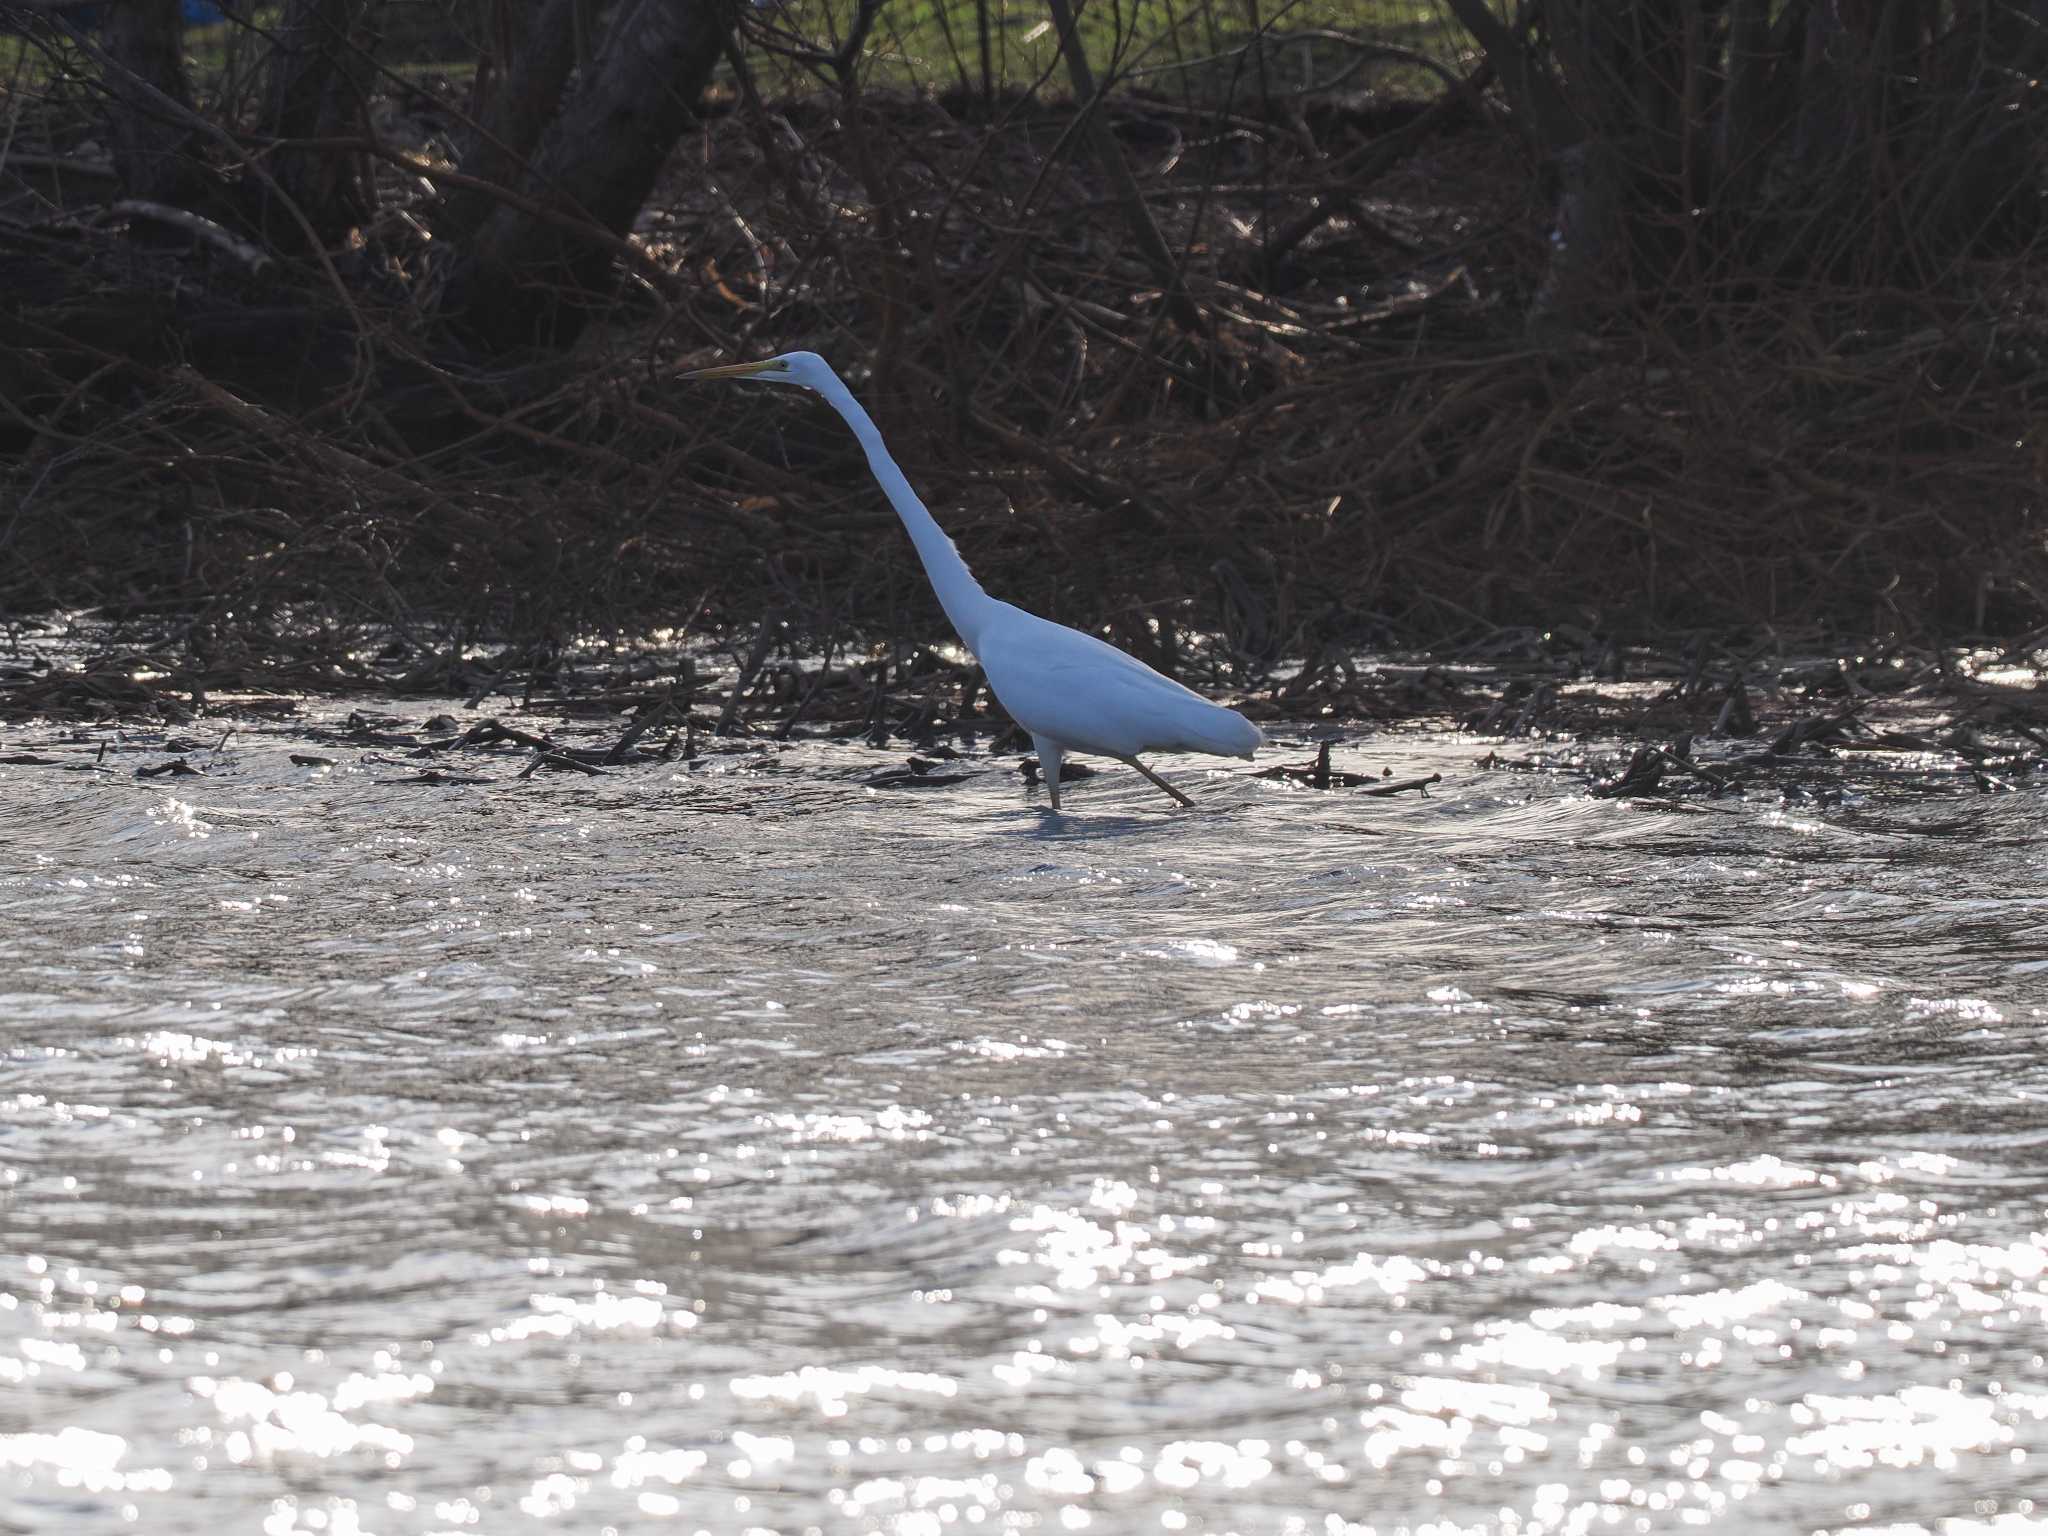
{"points": [[730, 1147]]}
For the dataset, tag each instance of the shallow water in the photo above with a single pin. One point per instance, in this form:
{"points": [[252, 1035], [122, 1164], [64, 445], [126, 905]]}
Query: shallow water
{"points": [[731, 1147]]}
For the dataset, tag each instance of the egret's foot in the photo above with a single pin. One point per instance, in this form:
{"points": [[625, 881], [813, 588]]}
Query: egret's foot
{"points": [[1183, 799]]}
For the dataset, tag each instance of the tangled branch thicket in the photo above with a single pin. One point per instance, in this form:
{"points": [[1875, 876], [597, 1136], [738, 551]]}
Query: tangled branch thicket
{"points": [[1418, 366]]}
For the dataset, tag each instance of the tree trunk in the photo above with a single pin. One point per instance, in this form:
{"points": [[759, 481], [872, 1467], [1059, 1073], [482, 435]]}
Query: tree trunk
{"points": [[1532, 91], [530, 280], [1865, 140], [316, 89], [1617, 80], [529, 66], [1824, 111], [145, 38], [1997, 180], [2016, 31], [1583, 242], [1123, 185], [1744, 133]]}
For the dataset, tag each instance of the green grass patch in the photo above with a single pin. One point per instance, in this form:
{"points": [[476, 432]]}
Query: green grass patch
{"points": [[217, 53], [1202, 48]]}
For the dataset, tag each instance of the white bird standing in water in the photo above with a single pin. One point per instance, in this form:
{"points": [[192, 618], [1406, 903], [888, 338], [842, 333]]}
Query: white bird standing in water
{"points": [[1072, 692]]}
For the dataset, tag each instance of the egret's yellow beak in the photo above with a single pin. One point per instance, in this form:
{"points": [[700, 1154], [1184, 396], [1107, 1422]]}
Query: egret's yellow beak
{"points": [[737, 370]]}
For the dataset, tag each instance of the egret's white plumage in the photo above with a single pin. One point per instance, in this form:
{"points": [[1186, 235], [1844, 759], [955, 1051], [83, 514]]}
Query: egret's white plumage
{"points": [[1072, 692]]}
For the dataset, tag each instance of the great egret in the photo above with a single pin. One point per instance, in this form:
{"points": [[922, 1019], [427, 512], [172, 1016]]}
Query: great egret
{"points": [[1072, 692]]}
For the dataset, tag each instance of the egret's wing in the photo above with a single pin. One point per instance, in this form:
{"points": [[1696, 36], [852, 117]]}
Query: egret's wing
{"points": [[1173, 718], [1089, 695]]}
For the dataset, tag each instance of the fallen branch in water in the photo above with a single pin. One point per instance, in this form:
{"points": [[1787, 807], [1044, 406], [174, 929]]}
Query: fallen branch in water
{"points": [[488, 733], [651, 714], [918, 775], [1401, 786], [1317, 775], [561, 762]]}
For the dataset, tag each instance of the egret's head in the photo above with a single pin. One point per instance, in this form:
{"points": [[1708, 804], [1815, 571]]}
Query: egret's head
{"points": [[806, 369]]}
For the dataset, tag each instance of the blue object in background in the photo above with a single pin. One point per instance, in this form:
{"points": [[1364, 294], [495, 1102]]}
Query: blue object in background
{"points": [[89, 18]]}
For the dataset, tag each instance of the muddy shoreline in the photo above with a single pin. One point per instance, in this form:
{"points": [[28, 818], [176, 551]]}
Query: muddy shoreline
{"points": [[1630, 721]]}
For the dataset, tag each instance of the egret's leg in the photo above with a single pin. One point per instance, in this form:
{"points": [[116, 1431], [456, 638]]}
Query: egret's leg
{"points": [[1049, 766], [1183, 799]]}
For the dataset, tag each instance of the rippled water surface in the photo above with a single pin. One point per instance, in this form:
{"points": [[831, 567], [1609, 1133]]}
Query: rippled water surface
{"points": [[731, 1147]]}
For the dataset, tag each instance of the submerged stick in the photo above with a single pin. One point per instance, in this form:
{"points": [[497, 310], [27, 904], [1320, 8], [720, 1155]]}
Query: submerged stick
{"points": [[1319, 774], [649, 717], [560, 762], [1400, 786], [764, 640]]}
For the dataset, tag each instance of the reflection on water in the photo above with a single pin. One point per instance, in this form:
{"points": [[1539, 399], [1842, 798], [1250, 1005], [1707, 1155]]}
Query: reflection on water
{"points": [[730, 1146]]}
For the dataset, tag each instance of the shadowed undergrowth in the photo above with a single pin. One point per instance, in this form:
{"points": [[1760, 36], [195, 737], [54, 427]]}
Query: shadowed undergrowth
{"points": [[269, 464]]}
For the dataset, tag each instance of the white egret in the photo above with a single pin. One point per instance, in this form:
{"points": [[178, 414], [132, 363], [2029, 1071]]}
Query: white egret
{"points": [[1070, 691]]}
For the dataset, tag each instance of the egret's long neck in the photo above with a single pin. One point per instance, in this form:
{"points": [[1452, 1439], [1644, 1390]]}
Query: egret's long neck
{"points": [[958, 592]]}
